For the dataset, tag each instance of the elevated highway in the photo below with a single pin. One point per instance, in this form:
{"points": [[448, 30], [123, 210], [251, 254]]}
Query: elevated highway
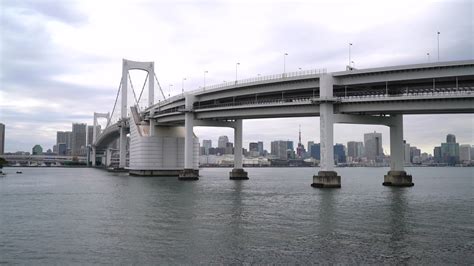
{"points": [[372, 96]]}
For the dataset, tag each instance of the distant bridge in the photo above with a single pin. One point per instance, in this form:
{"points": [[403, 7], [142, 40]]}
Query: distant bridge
{"points": [[162, 141]]}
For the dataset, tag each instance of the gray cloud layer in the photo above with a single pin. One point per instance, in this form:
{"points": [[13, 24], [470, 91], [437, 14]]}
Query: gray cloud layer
{"points": [[186, 38]]}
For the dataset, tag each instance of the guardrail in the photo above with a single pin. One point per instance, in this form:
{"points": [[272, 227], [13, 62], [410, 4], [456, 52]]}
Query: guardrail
{"points": [[264, 78]]}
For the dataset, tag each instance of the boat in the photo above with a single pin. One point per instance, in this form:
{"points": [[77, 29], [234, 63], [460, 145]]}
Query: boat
{"points": [[19, 172]]}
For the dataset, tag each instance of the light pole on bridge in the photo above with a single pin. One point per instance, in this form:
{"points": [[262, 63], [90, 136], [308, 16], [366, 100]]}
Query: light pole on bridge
{"points": [[182, 85], [169, 90], [438, 44], [350, 45], [428, 55], [204, 85], [284, 62], [236, 65]]}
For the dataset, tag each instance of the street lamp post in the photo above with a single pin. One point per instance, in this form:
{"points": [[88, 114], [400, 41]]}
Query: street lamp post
{"points": [[204, 85], [169, 90], [236, 65], [182, 85], [350, 45], [438, 44], [284, 62], [428, 55]]}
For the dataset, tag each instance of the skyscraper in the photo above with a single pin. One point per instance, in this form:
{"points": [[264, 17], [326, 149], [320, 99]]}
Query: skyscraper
{"points": [[339, 153], [260, 147], [206, 144], [465, 153], [222, 142], [279, 149], [78, 139], [310, 143], [373, 146], [355, 149], [450, 150], [2, 138], [90, 132], [406, 151], [316, 151]]}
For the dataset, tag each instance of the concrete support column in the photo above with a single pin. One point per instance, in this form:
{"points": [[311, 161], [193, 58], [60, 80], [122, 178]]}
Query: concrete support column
{"points": [[188, 172], [152, 127], [327, 177], [397, 175], [123, 148], [238, 172], [108, 157], [93, 156]]}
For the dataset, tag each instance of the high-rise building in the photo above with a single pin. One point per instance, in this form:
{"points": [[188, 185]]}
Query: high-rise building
{"points": [[289, 145], [66, 138], [2, 138], [373, 146], [415, 155], [37, 150], [62, 149], [316, 151], [310, 143], [450, 150], [253, 146], [465, 153], [339, 153], [406, 151], [355, 149], [206, 144], [90, 132], [450, 138], [222, 142], [437, 155], [260, 148], [279, 149], [78, 139]]}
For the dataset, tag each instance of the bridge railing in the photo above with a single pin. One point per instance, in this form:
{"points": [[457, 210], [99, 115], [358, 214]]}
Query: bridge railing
{"points": [[448, 91], [265, 78]]}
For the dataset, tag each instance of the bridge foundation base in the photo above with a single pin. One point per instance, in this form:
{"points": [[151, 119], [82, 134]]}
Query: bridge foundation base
{"points": [[189, 175], [397, 179], [155, 172], [326, 179], [238, 174]]}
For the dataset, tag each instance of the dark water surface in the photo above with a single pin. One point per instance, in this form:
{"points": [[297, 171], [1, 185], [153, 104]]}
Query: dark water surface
{"points": [[89, 216]]}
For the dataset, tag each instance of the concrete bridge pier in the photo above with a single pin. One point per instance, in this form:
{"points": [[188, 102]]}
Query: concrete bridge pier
{"points": [[397, 177], [327, 177], [189, 173], [238, 172], [123, 148]]}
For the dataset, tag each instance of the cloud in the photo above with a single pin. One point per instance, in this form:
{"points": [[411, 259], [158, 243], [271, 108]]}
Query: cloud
{"points": [[61, 60]]}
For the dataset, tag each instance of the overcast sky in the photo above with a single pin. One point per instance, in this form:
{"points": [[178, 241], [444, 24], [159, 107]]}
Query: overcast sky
{"points": [[61, 60]]}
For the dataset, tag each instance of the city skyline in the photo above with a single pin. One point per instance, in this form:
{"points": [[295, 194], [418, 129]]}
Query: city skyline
{"points": [[49, 97]]}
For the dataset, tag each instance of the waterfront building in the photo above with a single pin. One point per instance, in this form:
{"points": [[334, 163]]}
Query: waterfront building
{"points": [[206, 144], [316, 151], [78, 139], [62, 149], [437, 155], [279, 149], [339, 153], [310, 143], [37, 150], [450, 150], [465, 153], [406, 148], [373, 146], [260, 148], [222, 142], [355, 149]]}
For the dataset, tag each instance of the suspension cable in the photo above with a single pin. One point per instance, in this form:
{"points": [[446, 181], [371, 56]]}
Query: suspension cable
{"points": [[115, 104], [133, 90], [144, 83], [159, 86]]}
